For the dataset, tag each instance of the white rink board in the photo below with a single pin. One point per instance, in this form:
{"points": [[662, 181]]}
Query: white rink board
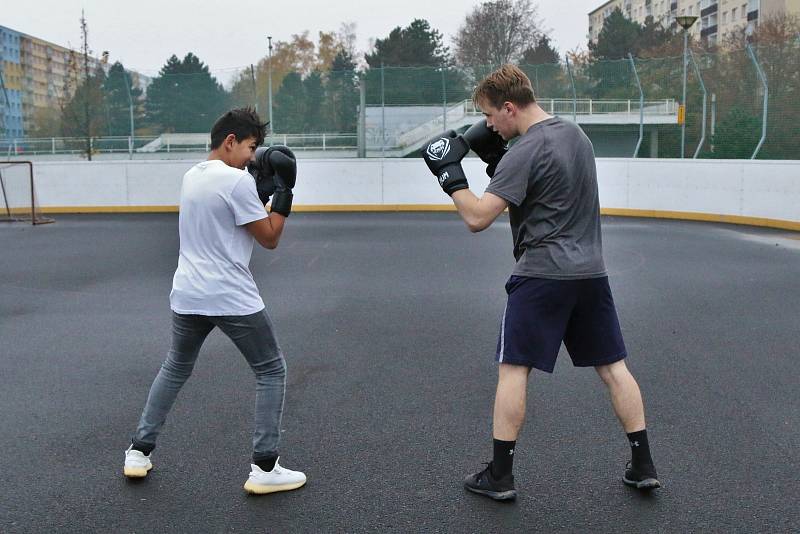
{"points": [[744, 188]]}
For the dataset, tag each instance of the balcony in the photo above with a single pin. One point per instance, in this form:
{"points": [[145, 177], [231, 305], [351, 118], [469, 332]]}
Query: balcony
{"points": [[711, 30], [709, 10]]}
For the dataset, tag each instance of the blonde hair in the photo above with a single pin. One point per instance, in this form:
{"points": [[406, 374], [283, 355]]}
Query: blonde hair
{"points": [[506, 84]]}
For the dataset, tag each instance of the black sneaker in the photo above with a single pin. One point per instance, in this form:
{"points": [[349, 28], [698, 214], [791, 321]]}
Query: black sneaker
{"points": [[484, 483], [643, 477]]}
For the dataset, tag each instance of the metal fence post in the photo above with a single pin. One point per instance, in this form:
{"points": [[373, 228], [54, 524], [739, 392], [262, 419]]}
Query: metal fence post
{"points": [[641, 106], [705, 104], [574, 92], [362, 118], [713, 116], [763, 78], [444, 99], [383, 110]]}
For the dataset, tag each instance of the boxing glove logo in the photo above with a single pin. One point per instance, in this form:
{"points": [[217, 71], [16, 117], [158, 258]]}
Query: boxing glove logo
{"points": [[443, 177], [438, 149]]}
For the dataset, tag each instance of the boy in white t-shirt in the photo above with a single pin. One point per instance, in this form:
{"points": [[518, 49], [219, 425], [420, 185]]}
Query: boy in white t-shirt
{"points": [[222, 212]]}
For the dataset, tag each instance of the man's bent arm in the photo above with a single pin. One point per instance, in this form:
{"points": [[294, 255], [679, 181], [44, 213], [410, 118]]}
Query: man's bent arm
{"points": [[478, 213], [267, 231]]}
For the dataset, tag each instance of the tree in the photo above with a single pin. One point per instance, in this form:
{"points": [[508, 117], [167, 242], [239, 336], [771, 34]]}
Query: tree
{"points": [[541, 53], [116, 89], [342, 93], [185, 97], [81, 101], [619, 37], [739, 94], [497, 32], [416, 68], [608, 71], [290, 104], [299, 55], [415, 45], [736, 136], [86, 102], [327, 49], [657, 40], [314, 94]]}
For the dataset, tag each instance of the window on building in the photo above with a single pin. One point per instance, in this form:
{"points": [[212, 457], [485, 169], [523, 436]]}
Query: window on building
{"points": [[733, 13], [744, 11]]}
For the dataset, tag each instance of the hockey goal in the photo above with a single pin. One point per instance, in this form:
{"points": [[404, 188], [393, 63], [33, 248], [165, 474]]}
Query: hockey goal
{"points": [[18, 201]]}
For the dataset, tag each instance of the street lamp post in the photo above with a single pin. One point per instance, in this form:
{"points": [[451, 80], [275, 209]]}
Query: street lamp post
{"points": [[684, 22], [269, 85]]}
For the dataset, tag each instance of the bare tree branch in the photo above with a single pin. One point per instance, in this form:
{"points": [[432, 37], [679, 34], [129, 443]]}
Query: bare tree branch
{"points": [[498, 32]]}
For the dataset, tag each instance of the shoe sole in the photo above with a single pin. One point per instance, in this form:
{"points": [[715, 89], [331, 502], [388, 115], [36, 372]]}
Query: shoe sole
{"points": [[256, 489], [509, 495], [136, 472], [646, 484]]}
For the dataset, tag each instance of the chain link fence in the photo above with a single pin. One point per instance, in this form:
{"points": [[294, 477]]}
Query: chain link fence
{"points": [[628, 108]]}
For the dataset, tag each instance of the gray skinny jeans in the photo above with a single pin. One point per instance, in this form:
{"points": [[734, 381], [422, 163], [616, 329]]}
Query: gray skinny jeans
{"points": [[254, 337]]}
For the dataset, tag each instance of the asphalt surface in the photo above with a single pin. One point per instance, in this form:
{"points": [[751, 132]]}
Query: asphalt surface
{"points": [[389, 324]]}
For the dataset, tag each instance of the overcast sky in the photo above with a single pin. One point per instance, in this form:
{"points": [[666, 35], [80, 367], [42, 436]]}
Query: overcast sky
{"points": [[143, 34]]}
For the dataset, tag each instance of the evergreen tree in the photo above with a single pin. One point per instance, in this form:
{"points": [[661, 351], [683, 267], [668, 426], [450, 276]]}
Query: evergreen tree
{"points": [[619, 37], [119, 94], [542, 53], [185, 97], [416, 68], [314, 95], [289, 105], [342, 94]]}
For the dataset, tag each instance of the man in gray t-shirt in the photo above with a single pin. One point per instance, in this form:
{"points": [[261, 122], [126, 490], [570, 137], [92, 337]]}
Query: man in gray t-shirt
{"points": [[558, 291], [549, 180]]}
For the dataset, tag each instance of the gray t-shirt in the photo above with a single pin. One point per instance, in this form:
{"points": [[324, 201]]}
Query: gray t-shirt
{"points": [[549, 179]]}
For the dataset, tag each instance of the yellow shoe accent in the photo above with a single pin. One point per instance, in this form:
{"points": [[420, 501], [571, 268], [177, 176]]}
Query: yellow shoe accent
{"points": [[258, 489], [136, 472]]}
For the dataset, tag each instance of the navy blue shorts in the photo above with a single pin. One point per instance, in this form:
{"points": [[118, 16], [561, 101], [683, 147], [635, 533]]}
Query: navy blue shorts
{"points": [[541, 313]]}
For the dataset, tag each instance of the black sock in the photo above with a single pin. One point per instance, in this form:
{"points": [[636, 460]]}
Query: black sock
{"points": [[266, 463], [144, 448], [503, 461], [640, 449]]}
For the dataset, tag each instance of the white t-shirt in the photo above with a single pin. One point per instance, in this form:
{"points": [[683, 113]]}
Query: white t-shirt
{"points": [[213, 275]]}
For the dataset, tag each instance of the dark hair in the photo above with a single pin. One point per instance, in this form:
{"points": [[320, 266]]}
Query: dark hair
{"points": [[506, 84], [241, 122]]}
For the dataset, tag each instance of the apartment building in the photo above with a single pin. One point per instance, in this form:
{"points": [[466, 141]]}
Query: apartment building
{"points": [[716, 17], [33, 76], [11, 124]]}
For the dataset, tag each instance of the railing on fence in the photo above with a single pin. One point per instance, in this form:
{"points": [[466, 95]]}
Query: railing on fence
{"points": [[456, 116], [326, 142]]}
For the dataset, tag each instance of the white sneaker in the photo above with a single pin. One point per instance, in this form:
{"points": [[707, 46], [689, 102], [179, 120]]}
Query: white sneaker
{"points": [[137, 464], [279, 479]]}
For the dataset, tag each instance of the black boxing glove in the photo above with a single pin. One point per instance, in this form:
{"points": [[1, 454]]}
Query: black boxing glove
{"points": [[487, 144], [284, 164], [443, 156], [261, 170]]}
